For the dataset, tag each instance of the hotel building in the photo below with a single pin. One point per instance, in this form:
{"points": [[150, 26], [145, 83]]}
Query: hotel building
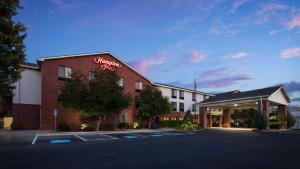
{"points": [[35, 95]]}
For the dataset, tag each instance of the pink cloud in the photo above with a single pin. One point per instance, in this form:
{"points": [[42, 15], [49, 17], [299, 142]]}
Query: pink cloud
{"points": [[196, 57], [295, 22], [147, 65], [236, 4], [269, 10], [290, 53]]}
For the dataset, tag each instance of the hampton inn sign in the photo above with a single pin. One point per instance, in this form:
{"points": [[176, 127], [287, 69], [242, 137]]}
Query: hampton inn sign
{"points": [[35, 95], [107, 64]]}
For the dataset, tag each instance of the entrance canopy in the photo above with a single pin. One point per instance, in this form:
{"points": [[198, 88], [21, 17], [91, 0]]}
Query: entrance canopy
{"points": [[262, 99]]}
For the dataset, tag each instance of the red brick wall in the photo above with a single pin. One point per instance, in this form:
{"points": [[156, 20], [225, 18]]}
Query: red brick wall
{"points": [[50, 84], [26, 114]]}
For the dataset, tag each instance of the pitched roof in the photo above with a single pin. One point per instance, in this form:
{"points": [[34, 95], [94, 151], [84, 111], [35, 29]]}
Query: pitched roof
{"points": [[89, 54], [180, 88], [29, 65], [232, 95]]}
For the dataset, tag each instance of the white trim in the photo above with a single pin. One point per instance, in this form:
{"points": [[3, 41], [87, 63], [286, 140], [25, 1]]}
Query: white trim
{"points": [[222, 101], [88, 54], [181, 88]]}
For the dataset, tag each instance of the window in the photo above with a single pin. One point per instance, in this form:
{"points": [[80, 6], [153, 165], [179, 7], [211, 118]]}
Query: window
{"points": [[181, 94], [181, 107], [121, 82], [174, 106], [193, 96], [91, 75], [64, 72], [138, 85], [174, 94], [193, 107]]}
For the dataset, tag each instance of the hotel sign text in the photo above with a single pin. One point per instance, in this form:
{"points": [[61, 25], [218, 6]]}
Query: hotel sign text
{"points": [[107, 64]]}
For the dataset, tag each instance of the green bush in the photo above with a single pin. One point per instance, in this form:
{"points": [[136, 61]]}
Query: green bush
{"points": [[169, 123], [136, 125], [86, 127], [259, 120], [63, 127], [188, 117], [123, 125], [109, 126], [275, 125], [16, 126], [290, 120], [189, 127]]}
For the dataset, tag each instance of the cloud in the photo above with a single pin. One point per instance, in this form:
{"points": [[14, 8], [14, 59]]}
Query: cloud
{"points": [[223, 77], [219, 72], [196, 57], [269, 10], [62, 5], [292, 86], [294, 22], [290, 52], [147, 65], [236, 4], [226, 81], [239, 55], [229, 30], [296, 99]]}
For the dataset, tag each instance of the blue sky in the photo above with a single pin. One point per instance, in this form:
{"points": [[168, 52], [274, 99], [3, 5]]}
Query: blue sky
{"points": [[224, 44]]}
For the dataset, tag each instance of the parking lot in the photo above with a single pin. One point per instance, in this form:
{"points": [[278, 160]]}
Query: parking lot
{"points": [[69, 138], [212, 148]]}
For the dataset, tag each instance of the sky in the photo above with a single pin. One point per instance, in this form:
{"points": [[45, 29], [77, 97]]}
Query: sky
{"points": [[223, 44]]}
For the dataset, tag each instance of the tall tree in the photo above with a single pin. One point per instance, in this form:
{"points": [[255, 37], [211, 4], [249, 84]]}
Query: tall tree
{"points": [[12, 49], [98, 97], [152, 103]]}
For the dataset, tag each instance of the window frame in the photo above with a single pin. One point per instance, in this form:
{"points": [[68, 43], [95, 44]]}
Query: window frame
{"points": [[174, 93], [181, 110]]}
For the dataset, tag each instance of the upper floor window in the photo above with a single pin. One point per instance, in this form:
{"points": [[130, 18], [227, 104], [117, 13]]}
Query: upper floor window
{"points": [[181, 107], [138, 85], [64, 72], [181, 94], [174, 93], [193, 96], [193, 107], [174, 106], [91, 75], [121, 82]]}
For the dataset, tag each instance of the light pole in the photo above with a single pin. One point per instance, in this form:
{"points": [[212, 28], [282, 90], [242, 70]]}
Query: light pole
{"points": [[55, 113]]}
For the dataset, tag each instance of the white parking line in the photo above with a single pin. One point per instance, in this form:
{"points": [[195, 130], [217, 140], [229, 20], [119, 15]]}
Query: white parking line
{"points": [[81, 138], [35, 138], [139, 135], [107, 136]]}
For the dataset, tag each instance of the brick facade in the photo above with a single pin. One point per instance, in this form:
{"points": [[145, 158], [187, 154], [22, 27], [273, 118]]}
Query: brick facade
{"points": [[84, 64], [26, 114]]}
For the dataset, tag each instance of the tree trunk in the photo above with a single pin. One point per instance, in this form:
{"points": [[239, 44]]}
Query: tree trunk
{"points": [[150, 120], [98, 123]]}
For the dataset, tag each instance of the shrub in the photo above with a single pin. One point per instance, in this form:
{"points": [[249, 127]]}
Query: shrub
{"points": [[290, 120], [63, 127], [16, 126], [169, 123], [275, 125], [109, 126], [188, 117], [189, 126], [86, 127], [136, 124], [123, 125], [259, 120]]}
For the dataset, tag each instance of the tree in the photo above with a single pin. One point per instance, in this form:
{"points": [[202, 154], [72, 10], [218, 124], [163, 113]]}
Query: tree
{"points": [[97, 98], [12, 49], [152, 103], [290, 120], [188, 117]]}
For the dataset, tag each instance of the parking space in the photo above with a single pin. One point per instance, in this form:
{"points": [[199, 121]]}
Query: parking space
{"points": [[88, 137]]}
